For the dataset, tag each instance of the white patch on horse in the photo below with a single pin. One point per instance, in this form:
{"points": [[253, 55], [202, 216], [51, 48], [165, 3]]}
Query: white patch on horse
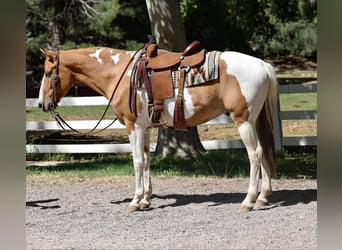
{"points": [[169, 106], [249, 80], [129, 72], [96, 54], [116, 58], [131, 53]]}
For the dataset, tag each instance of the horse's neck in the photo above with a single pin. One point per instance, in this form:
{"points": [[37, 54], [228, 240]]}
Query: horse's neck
{"points": [[95, 67]]}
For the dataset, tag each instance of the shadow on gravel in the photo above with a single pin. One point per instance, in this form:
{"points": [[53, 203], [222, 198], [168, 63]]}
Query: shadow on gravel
{"points": [[293, 197], [37, 204], [278, 198]]}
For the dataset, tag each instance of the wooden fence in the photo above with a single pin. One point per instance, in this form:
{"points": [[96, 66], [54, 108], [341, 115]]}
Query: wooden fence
{"points": [[280, 140]]}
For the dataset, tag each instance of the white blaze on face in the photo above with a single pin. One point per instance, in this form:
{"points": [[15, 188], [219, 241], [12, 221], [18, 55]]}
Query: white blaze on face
{"points": [[116, 58], [41, 97], [96, 54]]}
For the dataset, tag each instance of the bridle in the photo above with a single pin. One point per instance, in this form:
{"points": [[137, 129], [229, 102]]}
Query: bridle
{"points": [[55, 82], [61, 122]]}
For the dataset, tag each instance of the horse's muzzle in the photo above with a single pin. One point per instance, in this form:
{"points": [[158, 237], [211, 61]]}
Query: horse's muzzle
{"points": [[46, 107]]}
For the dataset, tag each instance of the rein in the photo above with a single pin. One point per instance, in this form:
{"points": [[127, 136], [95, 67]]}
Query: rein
{"points": [[61, 122]]}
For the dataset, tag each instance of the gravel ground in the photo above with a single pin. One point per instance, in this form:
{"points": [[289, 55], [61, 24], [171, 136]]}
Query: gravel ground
{"points": [[186, 213]]}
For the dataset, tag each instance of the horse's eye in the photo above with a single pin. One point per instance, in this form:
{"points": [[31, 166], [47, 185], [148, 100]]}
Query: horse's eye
{"points": [[48, 74]]}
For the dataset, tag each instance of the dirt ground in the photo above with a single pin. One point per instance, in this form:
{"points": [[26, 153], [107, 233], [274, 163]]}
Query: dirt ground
{"points": [[186, 213]]}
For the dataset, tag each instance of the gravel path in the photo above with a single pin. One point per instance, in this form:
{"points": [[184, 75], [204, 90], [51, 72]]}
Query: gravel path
{"points": [[186, 213]]}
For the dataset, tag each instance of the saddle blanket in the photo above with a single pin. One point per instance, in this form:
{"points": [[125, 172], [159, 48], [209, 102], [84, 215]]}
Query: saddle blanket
{"points": [[201, 74]]}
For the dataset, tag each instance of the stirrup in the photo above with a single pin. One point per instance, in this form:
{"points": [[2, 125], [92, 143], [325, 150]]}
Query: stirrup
{"points": [[159, 123]]}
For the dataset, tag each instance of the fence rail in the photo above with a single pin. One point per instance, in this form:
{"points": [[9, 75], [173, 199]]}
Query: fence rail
{"points": [[280, 116]]}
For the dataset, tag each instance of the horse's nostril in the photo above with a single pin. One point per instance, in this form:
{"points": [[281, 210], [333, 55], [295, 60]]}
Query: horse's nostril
{"points": [[40, 105]]}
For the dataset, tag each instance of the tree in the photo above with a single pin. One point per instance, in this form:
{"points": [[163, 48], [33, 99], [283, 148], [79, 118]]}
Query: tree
{"points": [[61, 16], [84, 23], [167, 26]]}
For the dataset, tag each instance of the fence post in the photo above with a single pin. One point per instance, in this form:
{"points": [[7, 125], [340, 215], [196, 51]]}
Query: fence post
{"points": [[278, 129]]}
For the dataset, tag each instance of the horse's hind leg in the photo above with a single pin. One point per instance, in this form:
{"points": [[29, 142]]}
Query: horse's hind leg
{"points": [[266, 188], [249, 137]]}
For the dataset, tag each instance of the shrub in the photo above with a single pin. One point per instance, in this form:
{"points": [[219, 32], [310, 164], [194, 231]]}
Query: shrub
{"points": [[293, 37]]}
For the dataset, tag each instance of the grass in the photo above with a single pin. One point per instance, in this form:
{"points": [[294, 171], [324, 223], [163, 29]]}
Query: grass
{"points": [[298, 101], [228, 164], [70, 113]]}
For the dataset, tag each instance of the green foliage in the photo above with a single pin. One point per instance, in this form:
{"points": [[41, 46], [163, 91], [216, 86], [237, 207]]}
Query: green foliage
{"points": [[293, 37], [297, 164], [293, 29], [220, 163], [224, 25], [133, 45], [106, 12], [262, 28]]}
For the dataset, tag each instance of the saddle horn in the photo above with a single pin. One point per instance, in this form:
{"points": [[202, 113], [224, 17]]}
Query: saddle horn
{"points": [[191, 48]]}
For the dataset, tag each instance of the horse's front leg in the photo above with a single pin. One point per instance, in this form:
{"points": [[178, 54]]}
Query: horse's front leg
{"points": [[141, 162], [145, 202]]}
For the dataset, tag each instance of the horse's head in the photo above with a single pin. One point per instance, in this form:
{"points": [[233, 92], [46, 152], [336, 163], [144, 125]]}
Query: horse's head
{"points": [[55, 82]]}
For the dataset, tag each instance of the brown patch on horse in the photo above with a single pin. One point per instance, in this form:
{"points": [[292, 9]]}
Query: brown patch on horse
{"points": [[234, 101], [205, 102]]}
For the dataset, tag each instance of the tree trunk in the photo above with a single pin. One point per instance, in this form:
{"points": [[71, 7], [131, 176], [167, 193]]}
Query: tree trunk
{"points": [[167, 26], [62, 9], [180, 143]]}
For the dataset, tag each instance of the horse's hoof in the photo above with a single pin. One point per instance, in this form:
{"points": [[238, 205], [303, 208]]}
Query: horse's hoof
{"points": [[244, 209], [144, 206], [132, 209], [259, 204]]}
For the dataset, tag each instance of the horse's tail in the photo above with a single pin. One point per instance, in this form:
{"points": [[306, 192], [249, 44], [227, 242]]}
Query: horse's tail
{"points": [[264, 123]]}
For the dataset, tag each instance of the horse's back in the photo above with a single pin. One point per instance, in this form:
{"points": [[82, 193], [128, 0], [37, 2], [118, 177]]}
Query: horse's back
{"points": [[238, 63]]}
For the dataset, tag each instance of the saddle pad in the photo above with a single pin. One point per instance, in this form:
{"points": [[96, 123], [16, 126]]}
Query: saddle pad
{"points": [[204, 73]]}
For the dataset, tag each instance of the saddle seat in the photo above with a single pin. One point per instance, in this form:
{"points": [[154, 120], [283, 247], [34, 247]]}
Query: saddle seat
{"points": [[165, 59]]}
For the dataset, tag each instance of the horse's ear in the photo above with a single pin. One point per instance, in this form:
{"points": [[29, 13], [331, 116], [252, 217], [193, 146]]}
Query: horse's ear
{"points": [[48, 53], [42, 50]]}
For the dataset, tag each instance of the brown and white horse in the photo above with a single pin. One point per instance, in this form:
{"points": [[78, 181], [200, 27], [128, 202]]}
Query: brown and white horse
{"points": [[246, 88]]}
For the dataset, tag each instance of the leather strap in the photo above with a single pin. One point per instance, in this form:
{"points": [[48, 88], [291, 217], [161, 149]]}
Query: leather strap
{"points": [[178, 117], [142, 70]]}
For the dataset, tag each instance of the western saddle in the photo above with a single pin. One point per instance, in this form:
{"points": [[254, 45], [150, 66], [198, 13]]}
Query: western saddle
{"points": [[153, 71]]}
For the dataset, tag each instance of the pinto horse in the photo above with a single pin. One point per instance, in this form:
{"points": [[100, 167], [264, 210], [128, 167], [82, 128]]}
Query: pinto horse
{"points": [[246, 88]]}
